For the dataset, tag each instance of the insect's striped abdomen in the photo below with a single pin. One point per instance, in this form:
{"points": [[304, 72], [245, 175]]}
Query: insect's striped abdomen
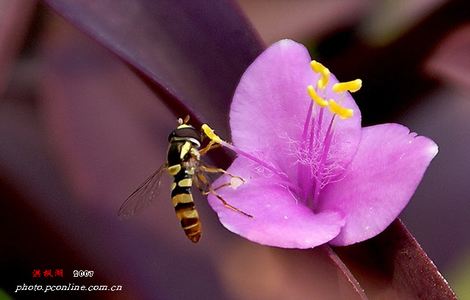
{"points": [[183, 202]]}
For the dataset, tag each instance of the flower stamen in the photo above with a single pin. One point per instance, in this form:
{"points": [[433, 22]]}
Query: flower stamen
{"points": [[315, 97], [343, 112], [209, 132], [350, 86], [314, 172], [323, 71]]}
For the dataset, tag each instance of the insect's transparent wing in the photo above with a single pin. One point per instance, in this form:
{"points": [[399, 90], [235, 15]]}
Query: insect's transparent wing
{"points": [[143, 195]]}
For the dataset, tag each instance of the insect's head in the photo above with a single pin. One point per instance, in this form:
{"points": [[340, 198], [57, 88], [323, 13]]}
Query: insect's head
{"points": [[185, 132]]}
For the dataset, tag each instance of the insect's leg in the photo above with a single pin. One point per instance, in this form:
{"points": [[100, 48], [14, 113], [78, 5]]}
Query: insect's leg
{"points": [[208, 169], [195, 153], [222, 186], [207, 192], [200, 178], [228, 205], [202, 183], [210, 190], [210, 146]]}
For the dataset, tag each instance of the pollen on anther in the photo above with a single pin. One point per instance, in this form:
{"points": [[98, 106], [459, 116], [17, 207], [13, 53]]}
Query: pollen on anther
{"points": [[210, 133], [316, 66], [342, 112], [323, 71], [351, 86], [315, 97]]}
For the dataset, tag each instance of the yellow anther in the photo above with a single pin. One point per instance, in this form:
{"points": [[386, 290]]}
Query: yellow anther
{"points": [[342, 112], [351, 86], [316, 66], [324, 72], [210, 133], [315, 97]]}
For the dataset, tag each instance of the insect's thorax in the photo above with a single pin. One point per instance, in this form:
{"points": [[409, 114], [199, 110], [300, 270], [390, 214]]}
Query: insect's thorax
{"points": [[184, 142], [182, 152]]}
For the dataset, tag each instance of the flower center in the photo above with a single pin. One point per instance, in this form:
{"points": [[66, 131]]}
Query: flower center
{"points": [[316, 164]]}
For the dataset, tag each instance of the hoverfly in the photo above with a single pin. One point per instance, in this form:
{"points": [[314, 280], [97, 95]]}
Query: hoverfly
{"points": [[185, 165]]}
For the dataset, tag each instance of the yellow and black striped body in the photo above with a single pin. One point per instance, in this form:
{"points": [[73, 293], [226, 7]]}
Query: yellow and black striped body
{"points": [[183, 159]]}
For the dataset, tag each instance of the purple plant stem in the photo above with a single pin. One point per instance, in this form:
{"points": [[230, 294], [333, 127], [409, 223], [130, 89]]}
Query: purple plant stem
{"points": [[189, 51], [393, 262], [345, 270]]}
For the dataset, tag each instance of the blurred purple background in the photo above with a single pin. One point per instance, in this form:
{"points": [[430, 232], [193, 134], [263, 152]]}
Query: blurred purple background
{"points": [[80, 129]]}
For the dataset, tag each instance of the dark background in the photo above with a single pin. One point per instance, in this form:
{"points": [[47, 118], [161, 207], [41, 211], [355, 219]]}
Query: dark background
{"points": [[79, 130]]}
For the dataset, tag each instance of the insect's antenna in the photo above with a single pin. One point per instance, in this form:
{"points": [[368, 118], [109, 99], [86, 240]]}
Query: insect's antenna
{"points": [[186, 119]]}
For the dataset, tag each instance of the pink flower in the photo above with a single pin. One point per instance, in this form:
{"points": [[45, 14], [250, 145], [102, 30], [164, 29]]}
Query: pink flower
{"points": [[312, 174]]}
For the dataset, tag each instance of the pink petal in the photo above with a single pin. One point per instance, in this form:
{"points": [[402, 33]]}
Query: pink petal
{"points": [[383, 176], [278, 219], [270, 106]]}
